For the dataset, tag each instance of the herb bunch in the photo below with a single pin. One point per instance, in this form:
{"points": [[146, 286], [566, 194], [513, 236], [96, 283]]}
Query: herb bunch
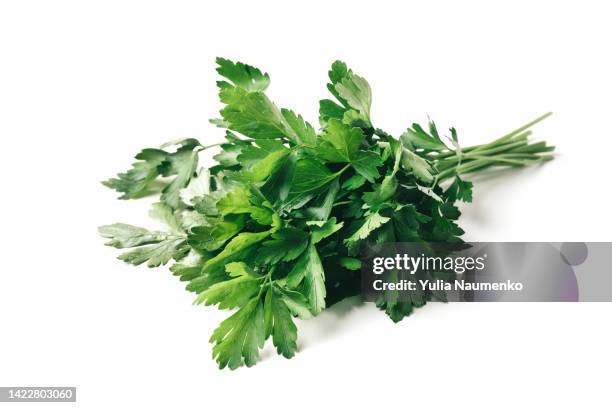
{"points": [[276, 228]]}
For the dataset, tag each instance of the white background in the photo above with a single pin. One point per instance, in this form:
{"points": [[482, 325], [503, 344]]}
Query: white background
{"points": [[85, 85]]}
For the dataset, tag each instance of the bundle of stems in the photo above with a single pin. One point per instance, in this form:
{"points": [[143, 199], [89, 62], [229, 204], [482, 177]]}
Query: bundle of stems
{"points": [[512, 149]]}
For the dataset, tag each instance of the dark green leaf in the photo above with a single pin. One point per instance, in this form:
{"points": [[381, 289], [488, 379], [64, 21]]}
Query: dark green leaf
{"points": [[460, 190]]}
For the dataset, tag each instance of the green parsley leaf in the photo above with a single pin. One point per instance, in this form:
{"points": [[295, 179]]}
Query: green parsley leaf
{"points": [[136, 181], [253, 114], [357, 93], [305, 133], [239, 338], [242, 75], [198, 186], [323, 229], [460, 190], [309, 275], [418, 138], [237, 269], [309, 177], [129, 236], [231, 293], [279, 323], [340, 144], [418, 166], [372, 222], [286, 245]]}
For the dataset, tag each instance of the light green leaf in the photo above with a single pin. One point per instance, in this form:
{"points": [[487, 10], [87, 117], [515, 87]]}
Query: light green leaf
{"points": [[418, 138], [163, 214], [323, 229], [296, 302], [212, 237], [253, 114], [366, 164], [183, 163], [156, 254], [237, 269], [337, 73], [242, 75], [286, 245], [128, 236], [266, 166], [268, 316], [230, 293], [306, 135], [417, 165], [189, 267], [280, 324], [259, 150], [384, 191], [357, 93], [235, 202], [353, 118], [198, 186], [156, 248], [309, 177], [228, 156], [329, 110], [372, 222], [137, 181], [238, 201], [308, 271], [340, 142], [238, 248], [239, 338]]}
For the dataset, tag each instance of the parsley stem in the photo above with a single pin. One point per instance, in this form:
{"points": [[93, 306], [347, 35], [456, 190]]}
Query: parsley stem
{"points": [[522, 128], [512, 149], [202, 148], [517, 134], [484, 161], [466, 155], [267, 280]]}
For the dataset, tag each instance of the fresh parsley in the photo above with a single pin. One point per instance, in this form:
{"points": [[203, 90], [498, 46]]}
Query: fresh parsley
{"points": [[275, 230]]}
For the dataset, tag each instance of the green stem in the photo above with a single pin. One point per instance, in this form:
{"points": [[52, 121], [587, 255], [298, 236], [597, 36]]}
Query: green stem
{"points": [[482, 162], [490, 151], [510, 137], [512, 149], [267, 278], [522, 128], [202, 148]]}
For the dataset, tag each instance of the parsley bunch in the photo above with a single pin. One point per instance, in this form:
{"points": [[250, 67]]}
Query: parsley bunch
{"points": [[275, 229]]}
